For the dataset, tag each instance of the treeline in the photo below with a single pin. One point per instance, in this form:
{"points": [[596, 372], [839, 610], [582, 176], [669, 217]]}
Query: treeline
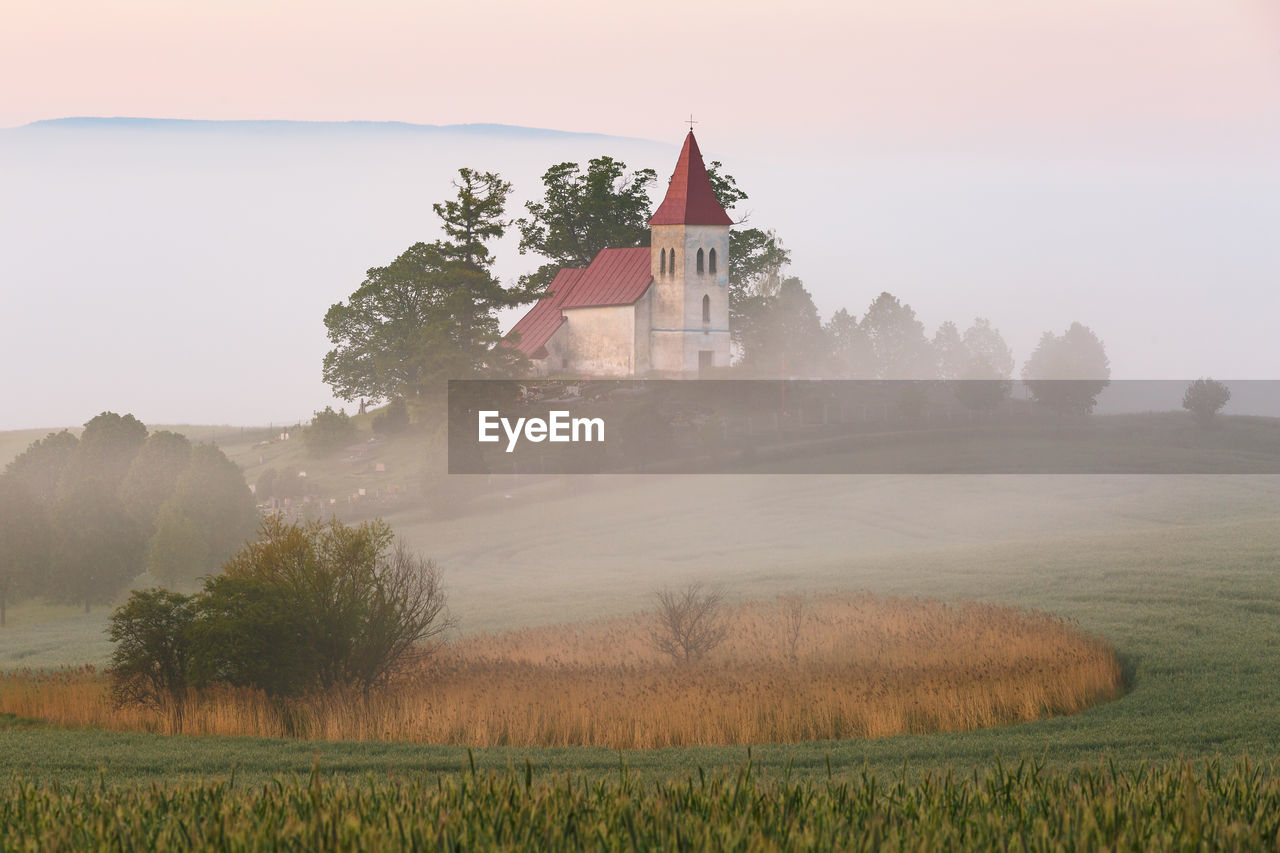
{"points": [[80, 518], [431, 314]]}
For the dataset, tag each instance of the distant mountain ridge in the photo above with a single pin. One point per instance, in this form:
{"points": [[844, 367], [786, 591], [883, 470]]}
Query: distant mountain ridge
{"points": [[295, 126]]}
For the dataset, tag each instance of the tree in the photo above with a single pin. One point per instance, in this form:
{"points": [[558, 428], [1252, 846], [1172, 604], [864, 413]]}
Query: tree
{"points": [[269, 485], [177, 552], [392, 420], [1066, 372], [153, 475], [985, 381], [97, 546], [689, 623], [583, 212], [949, 352], [989, 356], [40, 469], [851, 354], [785, 337], [214, 497], [150, 662], [315, 605], [107, 448], [1204, 398], [430, 315], [24, 542], [474, 217], [329, 432], [756, 260], [899, 349]]}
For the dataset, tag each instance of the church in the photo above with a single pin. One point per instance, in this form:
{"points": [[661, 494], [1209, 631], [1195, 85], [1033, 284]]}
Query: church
{"points": [[655, 311]]}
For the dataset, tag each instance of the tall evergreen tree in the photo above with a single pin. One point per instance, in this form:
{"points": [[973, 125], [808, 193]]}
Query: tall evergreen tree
{"points": [[430, 315]]}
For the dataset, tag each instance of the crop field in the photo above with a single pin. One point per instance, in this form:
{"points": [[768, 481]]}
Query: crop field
{"points": [[788, 671], [1022, 807], [1179, 574]]}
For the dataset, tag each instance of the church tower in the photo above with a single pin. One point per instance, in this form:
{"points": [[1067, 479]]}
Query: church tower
{"points": [[689, 240]]}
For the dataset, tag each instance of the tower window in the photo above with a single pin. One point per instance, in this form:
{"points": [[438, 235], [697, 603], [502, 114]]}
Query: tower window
{"points": [[711, 261], [706, 309], [700, 259], [673, 262], [663, 268]]}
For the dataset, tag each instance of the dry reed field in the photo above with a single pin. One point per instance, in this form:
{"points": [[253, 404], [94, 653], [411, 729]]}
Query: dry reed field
{"points": [[788, 670]]}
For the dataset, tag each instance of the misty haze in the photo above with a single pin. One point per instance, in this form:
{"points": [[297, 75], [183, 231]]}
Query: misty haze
{"points": [[712, 426]]}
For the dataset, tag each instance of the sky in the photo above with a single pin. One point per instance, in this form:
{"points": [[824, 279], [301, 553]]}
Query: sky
{"points": [[1112, 161], [826, 70]]}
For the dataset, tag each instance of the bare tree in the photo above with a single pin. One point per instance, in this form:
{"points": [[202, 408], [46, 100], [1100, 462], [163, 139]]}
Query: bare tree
{"points": [[406, 614], [792, 607], [689, 622]]}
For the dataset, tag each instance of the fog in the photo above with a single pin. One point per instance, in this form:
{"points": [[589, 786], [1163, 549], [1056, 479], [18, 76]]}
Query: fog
{"points": [[181, 271]]}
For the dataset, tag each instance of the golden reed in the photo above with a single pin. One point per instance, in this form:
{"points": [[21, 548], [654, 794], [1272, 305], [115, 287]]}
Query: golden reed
{"points": [[858, 667]]}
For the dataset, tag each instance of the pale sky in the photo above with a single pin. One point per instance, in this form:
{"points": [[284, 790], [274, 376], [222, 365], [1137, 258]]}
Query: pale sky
{"points": [[1037, 162], [807, 68]]}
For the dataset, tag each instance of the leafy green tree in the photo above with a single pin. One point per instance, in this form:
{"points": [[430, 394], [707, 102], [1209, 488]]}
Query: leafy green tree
{"points": [[329, 432], [177, 552], [213, 495], [989, 355], [107, 448], [756, 260], [151, 659], [986, 382], [24, 542], [786, 337], [248, 634], [582, 212], [154, 474], [430, 315], [949, 352], [40, 469], [393, 419], [97, 546], [899, 349], [851, 353], [1067, 372], [315, 605], [1204, 398]]}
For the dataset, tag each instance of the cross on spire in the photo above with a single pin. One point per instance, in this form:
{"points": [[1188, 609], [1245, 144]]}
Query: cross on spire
{"points": [[691, 122]]}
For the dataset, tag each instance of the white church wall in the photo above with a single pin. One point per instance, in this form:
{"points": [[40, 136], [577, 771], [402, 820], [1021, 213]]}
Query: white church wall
{"points": [[597, 341]]}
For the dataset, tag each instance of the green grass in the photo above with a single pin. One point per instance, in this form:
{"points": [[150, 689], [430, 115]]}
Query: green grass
{"points": [[1017, 807], [1180, 574]]}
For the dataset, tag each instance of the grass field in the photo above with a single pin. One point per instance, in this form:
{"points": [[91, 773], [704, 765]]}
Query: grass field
{"points": [[1181, 574], [1178, 573]]}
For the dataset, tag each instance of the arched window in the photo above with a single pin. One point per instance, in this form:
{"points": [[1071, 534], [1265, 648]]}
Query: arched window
{"points": [[664, 262], [706, 309], [673, 262], [711, 262], [700, 259]]}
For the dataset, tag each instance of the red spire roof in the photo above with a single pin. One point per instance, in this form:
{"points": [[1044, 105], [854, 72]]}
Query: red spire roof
{"points": [[690, 199]]}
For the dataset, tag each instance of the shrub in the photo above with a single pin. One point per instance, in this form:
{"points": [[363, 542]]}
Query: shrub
{"points": [[314, 605], [1204, 398], [149, 665], [393, 419], [689, 623], [329, 432]]}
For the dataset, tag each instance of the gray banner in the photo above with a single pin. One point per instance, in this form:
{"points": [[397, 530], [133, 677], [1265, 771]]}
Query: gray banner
{"points": [[864, 427]]}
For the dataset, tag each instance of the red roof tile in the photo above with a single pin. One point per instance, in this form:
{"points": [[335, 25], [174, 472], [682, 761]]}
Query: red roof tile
{"points": [[690, 199], [615, 277], [537, 327]]}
